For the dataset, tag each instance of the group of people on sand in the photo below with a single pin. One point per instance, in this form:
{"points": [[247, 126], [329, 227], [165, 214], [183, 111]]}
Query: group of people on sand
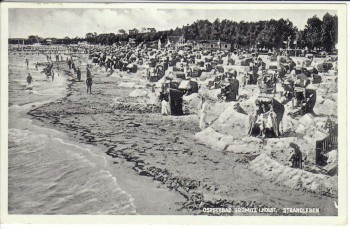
{"points": [[77, 71]]}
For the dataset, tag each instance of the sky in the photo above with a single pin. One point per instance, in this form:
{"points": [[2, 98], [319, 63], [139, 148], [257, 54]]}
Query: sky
{"points": [[59, 23]]}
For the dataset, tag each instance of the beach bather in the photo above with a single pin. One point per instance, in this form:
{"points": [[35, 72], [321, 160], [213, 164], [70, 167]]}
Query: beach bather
{"points": [[29, 79], [88, 80], [165, 107], [73, 66], [89, 84], [69, 64], [78, 74]]}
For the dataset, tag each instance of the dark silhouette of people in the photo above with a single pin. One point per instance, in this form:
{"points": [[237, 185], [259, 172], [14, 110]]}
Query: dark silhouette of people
{"points": [[88, 84], [88, 80], [29, 79], [69, 64], [78, 74], [296, 158]]}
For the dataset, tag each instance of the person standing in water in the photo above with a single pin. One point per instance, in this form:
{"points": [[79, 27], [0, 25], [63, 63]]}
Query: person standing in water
{"points": [[29, 79], [27, 63]]}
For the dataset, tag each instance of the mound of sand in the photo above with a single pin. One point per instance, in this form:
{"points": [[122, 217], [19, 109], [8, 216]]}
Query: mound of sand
{"points": [[140, 99], [192, 103], [213, 139], [246, 145], [229, 125], [325, 106], [129, 84], [232, 123], [139, 93], [138, 104], [297, 179]]}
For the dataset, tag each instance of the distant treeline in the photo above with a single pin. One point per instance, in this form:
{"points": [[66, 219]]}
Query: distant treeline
{"points": [[322, 34], [36, 39]]}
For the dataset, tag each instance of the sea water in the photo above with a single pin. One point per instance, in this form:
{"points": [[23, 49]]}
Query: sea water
{"points": [[47, 172]]}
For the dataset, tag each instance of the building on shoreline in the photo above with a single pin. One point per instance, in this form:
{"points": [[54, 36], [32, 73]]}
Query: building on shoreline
{"points": [[133, 31], [213, 45], [90, 35], [176, 41], [148, 30]]}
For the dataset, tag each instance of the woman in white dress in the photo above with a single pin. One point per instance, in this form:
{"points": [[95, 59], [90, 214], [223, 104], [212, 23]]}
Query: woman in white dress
{"points": [[203, 114], [165, 109]]}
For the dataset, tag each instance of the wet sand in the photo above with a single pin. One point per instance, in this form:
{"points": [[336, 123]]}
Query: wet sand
{"points": [[44, 160], [150, 146]]}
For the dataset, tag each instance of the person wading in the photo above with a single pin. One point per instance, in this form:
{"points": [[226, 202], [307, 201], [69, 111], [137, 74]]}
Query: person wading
{"points": [[29, 79]]}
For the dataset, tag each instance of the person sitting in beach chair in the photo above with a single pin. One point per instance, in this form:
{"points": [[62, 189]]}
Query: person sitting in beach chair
{"points": [[256, 123], [266, 120], [296, 157]]}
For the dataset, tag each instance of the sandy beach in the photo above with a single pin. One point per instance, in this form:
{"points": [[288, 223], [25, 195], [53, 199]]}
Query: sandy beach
{"points": [[159, 160], [44, 154]]}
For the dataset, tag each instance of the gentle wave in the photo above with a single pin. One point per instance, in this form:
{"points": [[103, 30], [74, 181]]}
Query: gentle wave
{"points": [[50, 176]]}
